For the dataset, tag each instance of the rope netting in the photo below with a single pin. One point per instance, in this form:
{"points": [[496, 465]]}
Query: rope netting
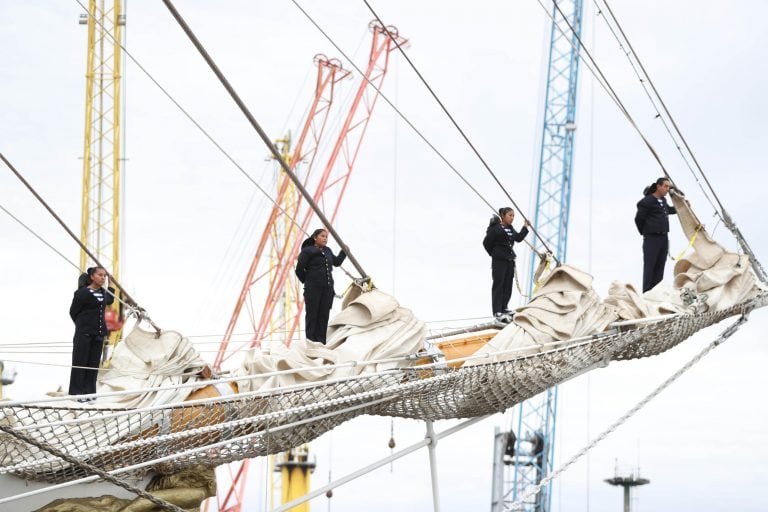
{"points": [[218, 430]]}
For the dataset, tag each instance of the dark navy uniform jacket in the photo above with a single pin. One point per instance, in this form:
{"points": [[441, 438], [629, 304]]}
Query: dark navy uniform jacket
{"points": [[314, 266], [652, 216], [499, 245], [88, 312]]}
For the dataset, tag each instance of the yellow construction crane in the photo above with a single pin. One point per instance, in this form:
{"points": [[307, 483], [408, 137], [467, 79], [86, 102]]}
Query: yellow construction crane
{"points": [[100, 226]]}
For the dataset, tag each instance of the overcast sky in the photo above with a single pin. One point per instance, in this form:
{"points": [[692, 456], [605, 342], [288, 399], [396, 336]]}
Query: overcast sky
{"points": [[192, 221]]}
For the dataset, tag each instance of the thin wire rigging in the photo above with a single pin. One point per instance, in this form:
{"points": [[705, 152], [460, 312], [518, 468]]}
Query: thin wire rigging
{"points": [[191, 119], [645, 80], [394, 107], [460, 130]]}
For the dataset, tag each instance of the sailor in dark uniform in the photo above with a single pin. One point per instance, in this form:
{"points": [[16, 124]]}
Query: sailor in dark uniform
{"points": [[498, 243], [314, 268], [87, 311], [652, 221]]}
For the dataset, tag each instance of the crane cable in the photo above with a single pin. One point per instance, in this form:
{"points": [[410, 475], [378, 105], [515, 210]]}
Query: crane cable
{"points": [[129, 300], [645, 78], [264, 137], [461, 132]]}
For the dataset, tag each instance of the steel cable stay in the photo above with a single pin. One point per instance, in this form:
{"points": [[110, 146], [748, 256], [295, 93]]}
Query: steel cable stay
{"points": [[463, 135]]}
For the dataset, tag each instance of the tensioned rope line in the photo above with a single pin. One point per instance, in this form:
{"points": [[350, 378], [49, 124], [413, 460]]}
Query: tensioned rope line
{"points": [[264, 137], [395, 109], [131, 302], [192, 119], [723, 214], [727, 333], [460, 130], [90, 468]]}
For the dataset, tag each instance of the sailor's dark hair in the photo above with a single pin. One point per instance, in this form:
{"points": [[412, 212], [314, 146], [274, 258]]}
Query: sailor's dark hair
{"points": [[85, 278], [496, 219], [311, 240], [650, 189]]}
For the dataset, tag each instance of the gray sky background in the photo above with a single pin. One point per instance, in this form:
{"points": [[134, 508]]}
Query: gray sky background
{"points": [[192, 220]]}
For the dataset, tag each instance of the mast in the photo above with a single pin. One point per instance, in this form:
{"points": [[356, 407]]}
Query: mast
{"points": [[100, 221]]}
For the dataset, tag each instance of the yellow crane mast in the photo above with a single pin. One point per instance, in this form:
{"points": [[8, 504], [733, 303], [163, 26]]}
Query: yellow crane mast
{"points": [[100, 225], [294, 465]]}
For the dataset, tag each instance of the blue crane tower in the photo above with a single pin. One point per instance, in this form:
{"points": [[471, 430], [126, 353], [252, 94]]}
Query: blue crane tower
{"points": [[529, 455]]}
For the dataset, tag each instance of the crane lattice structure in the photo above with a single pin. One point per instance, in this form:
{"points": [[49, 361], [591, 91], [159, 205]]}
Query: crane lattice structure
{"points": [[534, 451], [283, 306], [329, 190], [100, 225], [277, 231]]}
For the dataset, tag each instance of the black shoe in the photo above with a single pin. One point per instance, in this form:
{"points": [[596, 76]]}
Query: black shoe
{"points": [[502, 318]]}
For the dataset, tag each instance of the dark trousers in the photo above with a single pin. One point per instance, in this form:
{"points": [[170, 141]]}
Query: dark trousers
{"points": [[655, 248], [503, 274], [86, 351], [317, 304]]}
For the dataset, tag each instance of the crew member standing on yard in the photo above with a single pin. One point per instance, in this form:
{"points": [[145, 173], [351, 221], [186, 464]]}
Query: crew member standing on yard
{"points": [[87, 311], [498, 243], [652, 221], [314, 268]]}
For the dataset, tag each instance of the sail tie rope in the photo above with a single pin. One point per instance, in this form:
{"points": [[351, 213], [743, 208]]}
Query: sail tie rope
{"points": [[690, 243]]}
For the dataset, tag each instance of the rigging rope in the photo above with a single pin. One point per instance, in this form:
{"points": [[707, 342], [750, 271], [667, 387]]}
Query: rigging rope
{"points": [[264, 137], [460, 130], [727, 333], [129, 300], [165, 505]]}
